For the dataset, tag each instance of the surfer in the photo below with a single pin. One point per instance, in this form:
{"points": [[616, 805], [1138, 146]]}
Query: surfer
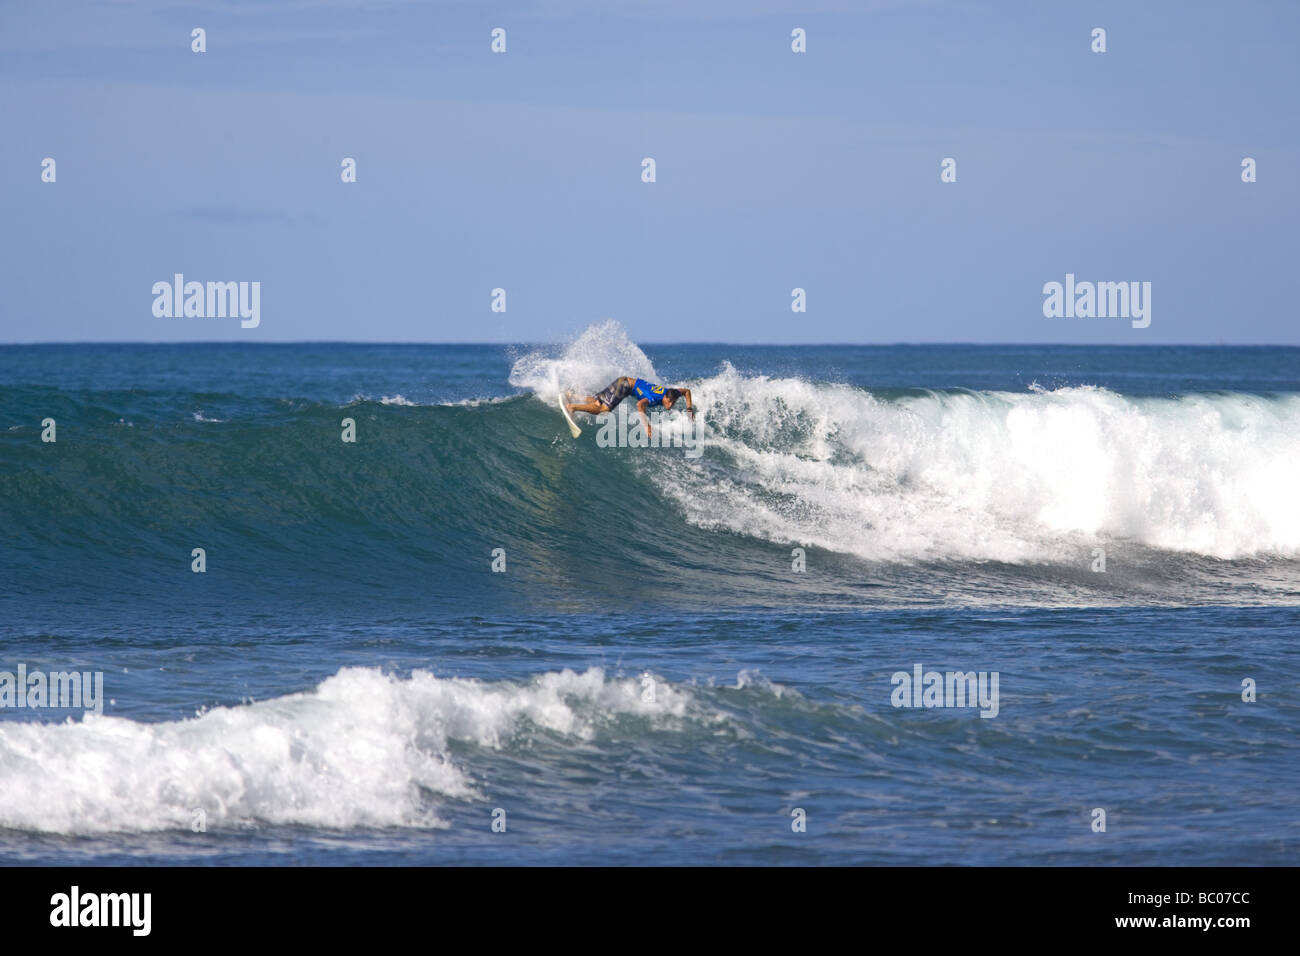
{"points": [[647, 395]]}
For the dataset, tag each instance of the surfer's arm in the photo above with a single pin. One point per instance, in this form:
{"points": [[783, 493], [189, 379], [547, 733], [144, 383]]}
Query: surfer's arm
{"points": [[641, 406], [690, 403]]}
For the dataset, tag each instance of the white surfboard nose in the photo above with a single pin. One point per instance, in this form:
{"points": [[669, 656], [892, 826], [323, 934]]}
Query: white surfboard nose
{"points": [[574, 430]]}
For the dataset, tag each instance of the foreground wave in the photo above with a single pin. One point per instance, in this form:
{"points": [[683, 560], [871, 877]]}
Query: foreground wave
{"points": [[361, 749]]}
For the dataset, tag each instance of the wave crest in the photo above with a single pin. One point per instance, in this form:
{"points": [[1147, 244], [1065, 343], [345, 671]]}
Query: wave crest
{"points": [[361, 749], [993, 475]]}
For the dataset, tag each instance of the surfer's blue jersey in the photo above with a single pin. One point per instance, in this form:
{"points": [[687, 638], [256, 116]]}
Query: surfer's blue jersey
{"points": [[653, 393]]}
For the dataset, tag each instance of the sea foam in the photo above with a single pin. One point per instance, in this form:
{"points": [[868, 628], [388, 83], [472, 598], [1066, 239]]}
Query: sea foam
{"points": [[1001, 476], [360, 749]]}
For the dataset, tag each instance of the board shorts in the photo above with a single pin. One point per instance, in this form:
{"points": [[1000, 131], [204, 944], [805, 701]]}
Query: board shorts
{"points": [[615, 393]]}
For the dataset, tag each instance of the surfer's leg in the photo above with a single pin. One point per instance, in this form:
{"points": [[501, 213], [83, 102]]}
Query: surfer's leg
{"points": [[603, 402], [591, 405]]}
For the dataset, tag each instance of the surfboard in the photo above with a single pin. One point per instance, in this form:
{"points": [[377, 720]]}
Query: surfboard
{"points": [[574, 430]]}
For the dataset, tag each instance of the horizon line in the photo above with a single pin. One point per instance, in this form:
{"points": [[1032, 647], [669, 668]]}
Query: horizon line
{"points": [[563, 342]]}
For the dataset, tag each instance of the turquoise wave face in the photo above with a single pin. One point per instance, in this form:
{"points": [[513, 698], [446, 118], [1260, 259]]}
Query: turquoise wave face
{"points": [[995, 497]]}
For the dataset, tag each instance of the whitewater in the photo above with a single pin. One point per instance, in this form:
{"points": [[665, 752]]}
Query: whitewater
{"points": [[465, 637], [363, 748], [967, 475]]}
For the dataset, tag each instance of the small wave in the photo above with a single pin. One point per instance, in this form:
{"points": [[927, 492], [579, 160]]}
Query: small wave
{"points": [[361, 749], [476, 402], [400, 400]]}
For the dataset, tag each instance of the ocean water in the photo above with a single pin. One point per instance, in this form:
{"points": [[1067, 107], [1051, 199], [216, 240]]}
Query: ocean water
{"points": [[679, 652]]}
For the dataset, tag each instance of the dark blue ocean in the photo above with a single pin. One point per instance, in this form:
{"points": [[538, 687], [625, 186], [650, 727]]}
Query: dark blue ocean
{"points": [[675, 654]]}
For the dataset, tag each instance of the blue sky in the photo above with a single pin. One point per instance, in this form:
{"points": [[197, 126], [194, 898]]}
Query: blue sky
{"points": [[775, 170]]}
